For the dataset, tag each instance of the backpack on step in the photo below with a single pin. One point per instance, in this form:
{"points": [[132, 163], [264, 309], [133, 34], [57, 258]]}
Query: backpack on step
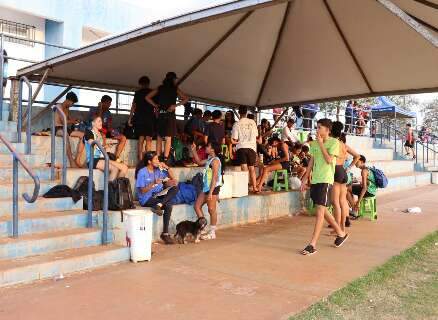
{"points": [[379, 177], [97, 201], [120, 195], [81, 185]]}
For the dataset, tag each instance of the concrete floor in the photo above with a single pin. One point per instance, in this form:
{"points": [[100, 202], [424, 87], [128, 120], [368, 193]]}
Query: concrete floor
{"points": [[249, 272]]}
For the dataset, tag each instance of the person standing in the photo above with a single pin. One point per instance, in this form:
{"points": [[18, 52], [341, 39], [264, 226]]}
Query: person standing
{"points": [[410, 141], [5, 70], [142, 117], [349, 116], [167, 95], [324, 152], [288, 133], [244, 135]]}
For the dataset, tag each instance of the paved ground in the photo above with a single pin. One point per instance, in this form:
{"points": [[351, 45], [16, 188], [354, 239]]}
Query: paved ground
{"points": [[250, 272]]}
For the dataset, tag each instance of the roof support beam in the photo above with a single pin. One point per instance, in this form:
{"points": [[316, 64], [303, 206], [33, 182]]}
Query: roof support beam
{"points": [[428, 3], [424, 23], [347, 45], [215, 46], [274, 53]]}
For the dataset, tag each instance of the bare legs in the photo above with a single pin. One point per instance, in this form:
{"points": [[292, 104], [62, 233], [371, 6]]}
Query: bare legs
{"points": [[211, 205], [321, 214], [122, 142], [167, 146], [264, 175], [116, 169], [140, 146], [252, 175]]}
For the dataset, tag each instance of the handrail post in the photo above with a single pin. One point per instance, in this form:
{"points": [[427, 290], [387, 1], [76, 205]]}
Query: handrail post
{"points": [[55, 109], [1, 75], [29, 113], [15, 197], [105, 190]]}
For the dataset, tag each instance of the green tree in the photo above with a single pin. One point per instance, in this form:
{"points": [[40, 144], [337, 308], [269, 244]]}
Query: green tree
{"points": [[430, 111]]}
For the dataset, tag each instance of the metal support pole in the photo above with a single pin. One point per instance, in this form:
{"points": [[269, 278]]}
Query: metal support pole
{"points": [[40, 84], [416, 152], [1, 75], [117, 102], [15, 197], [90, 189]]}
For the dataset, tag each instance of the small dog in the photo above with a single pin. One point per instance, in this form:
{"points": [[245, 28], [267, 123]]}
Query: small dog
{"points": [[189, 227]]}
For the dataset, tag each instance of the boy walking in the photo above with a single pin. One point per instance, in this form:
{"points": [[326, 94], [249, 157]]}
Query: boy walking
{"points": [[322, 163], [410, 141]]}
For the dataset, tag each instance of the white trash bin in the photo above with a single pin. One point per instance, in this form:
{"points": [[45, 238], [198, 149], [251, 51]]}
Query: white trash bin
{"points": [[139, 233]]}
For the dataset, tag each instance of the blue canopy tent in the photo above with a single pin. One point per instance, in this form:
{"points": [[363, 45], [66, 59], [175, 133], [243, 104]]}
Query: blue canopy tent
{"points": [[388, 109]]}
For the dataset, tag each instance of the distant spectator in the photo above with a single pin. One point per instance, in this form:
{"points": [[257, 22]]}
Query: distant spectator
{"points": [[206, 117], [298, 110], [244, 135], [143, 117], [5, 69], [215, 132], [151, 181], [69, 101], [410, 141], [107, 128], [195, 126], [116, 169], [228, 125], [167, 94], [188, 110], [288, 133], [349, 116]]}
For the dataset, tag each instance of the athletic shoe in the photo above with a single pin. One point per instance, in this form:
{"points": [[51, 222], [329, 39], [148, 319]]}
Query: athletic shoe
{"points": [[339, 241], [210, 235], [157, 210], [309, 250], [167, 239]]}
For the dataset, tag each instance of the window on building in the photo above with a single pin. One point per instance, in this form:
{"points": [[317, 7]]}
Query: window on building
{"points": [[23, 32]]}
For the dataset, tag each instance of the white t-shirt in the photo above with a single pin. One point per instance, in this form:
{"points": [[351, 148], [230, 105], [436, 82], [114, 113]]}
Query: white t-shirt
{"points": [[289, 134], [245, 131]]}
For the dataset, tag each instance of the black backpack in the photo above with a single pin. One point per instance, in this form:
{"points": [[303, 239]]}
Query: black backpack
{"points": [[120, 195], [97, 201], [82, 186]]}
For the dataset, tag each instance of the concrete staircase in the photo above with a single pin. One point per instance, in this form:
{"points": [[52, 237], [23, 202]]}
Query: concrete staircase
{"points": [[53, 238]]}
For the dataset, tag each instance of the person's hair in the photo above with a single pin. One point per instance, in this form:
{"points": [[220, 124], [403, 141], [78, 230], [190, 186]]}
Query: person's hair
{"points": [[297, 146], [325, 122], [95, 116], [216, 114], [148, 156], [251, 116], [337, 129], [362, 158], [197, 112], [305, 148], [408, 124], [343, 137], [144, 81], [291, 120], [263, 121], [309, 138], [217, 147], [274, 139], [243, 110], [71, 96], [106, 98], [169, 80], [5, 56], [207, 113]]}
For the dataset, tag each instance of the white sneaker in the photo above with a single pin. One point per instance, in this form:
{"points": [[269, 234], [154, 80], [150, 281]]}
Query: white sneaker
{"points": [[210, 235]]}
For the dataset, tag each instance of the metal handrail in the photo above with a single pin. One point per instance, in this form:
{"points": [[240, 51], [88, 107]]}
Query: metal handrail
{"points": [[105, 190], [55, 109], [17, 159], [29, 113]]}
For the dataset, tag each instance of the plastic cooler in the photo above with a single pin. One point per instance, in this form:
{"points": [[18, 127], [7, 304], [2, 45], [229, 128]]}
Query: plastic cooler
{"points": [[139, 233]]}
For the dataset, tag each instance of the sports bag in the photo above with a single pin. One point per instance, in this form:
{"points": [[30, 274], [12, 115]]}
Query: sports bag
{"points": [[120, 195], [81, 185], [379, 177]]}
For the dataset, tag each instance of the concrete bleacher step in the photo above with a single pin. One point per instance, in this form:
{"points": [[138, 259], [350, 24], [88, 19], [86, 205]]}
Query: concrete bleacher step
{"points": [[42, 243], [407, 180], [26, 186], [6, 173], [19, 147], [393, 167], [40, 205], [31, 159], [376, 154], [31, 223], [49, 266]]}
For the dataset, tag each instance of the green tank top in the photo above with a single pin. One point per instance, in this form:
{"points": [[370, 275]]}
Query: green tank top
{"points": [[372, 188]]}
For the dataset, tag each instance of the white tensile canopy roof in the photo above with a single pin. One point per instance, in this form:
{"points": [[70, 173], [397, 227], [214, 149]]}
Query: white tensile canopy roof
{"points": [[267, 53]]}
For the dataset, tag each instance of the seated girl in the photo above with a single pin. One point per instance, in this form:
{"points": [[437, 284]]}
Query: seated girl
{"points": [[116, 169]]}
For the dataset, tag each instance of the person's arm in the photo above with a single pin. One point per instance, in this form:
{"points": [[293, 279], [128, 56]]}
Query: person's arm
{"points": [[131, 113], [215, 169], [234, 134], [183, 99], [285, 148], [149, 98], [364, 185], [196, 157], [144, 188], [355, 155], [327, 157], [306, 175]]}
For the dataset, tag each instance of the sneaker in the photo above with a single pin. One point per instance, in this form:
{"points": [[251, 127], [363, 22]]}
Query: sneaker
{"points": [[309, 250], [339, 241], [210, 235], [158, 210], [167, 239]]}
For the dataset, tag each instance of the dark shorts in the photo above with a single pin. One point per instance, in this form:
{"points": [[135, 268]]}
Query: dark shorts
{"points": [[409, 144], [246, 156], [286, 166], [340, 174], [95, 161], [167, 124], [320, 194], [146, 128], [357, 189], [215, 191]]}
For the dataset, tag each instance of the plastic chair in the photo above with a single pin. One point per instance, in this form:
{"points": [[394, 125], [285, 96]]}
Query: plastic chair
{"points": [[368, 208], [302, 135], [281, 174]]}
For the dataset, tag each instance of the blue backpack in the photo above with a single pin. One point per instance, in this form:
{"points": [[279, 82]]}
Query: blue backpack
{"points": [[379, 177]]}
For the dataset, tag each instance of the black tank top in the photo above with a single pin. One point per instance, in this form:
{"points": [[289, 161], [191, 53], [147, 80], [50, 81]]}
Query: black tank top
{"points": [[167, 96]]}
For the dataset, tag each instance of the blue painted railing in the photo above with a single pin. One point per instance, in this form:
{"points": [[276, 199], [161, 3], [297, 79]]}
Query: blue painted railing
{"points": [[29, 113], [55, 109]]}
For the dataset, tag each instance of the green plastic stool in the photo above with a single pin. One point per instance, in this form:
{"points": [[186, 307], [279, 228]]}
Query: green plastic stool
{"points": [[302, 136], [311, 209], [225, 152], [368, 208], [281, 174]]}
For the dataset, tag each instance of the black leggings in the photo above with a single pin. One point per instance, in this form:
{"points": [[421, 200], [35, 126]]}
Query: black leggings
{"points": [[164, 200]]}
